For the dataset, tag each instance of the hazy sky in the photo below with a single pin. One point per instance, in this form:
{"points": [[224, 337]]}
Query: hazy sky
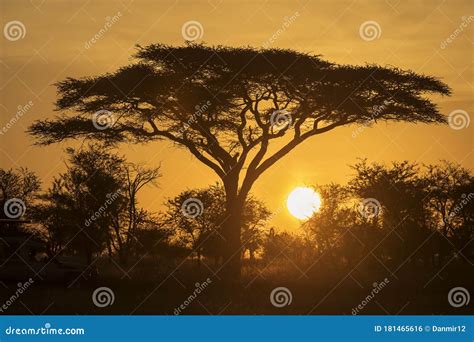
{"points": [[408, 34]]}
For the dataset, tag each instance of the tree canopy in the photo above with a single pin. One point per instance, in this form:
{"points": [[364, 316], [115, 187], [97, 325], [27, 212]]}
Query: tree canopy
{"points": [[222, 103]]}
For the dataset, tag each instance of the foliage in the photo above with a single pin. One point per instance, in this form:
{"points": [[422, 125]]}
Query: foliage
{"points": [[93, 205], [203, 233]]}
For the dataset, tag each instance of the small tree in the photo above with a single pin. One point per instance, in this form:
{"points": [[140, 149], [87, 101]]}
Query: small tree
{"points": [[130, 220], [227, 105], [201, 228], [18, 189], [450, 200], [77, 207], [394, 197], [255, 217], [328, 224], [195, 217], [338, 230], [93, 205]]}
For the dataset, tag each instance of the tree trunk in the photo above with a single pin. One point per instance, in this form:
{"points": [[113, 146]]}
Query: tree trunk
{"points": [[123, 256], [198, 253], [231, 230], [232, 252]]}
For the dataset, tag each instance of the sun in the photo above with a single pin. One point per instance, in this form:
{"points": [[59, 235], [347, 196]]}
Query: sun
{"points": [[303, 202]]}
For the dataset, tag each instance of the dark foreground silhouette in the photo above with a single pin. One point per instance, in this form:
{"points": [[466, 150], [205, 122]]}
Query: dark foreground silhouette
{"points": [[395, 240]]}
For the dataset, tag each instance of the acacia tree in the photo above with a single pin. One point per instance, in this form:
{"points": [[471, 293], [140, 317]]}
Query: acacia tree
{"points": [[226, 105]]}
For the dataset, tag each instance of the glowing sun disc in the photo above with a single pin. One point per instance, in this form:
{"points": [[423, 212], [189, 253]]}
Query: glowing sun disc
{"points": [[303, 202]]}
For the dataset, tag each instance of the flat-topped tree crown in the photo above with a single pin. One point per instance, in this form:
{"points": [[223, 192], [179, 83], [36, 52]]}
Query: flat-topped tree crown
{"points": [[221, 102], [225, 105]]}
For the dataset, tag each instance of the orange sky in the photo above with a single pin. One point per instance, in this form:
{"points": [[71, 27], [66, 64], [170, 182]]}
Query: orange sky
{"points": [[412, 36]]}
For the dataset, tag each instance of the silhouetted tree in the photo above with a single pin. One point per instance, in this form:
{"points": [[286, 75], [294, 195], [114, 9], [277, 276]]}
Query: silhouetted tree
{"points": [[255, 217], [196, 215], [201, 228], [130, 220], [285, 246], [397, 194], [18, 189], [78, 206], [450, 199], [329, 223], [226, 105], [93, 205], [339, 233], [152, 239]]}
